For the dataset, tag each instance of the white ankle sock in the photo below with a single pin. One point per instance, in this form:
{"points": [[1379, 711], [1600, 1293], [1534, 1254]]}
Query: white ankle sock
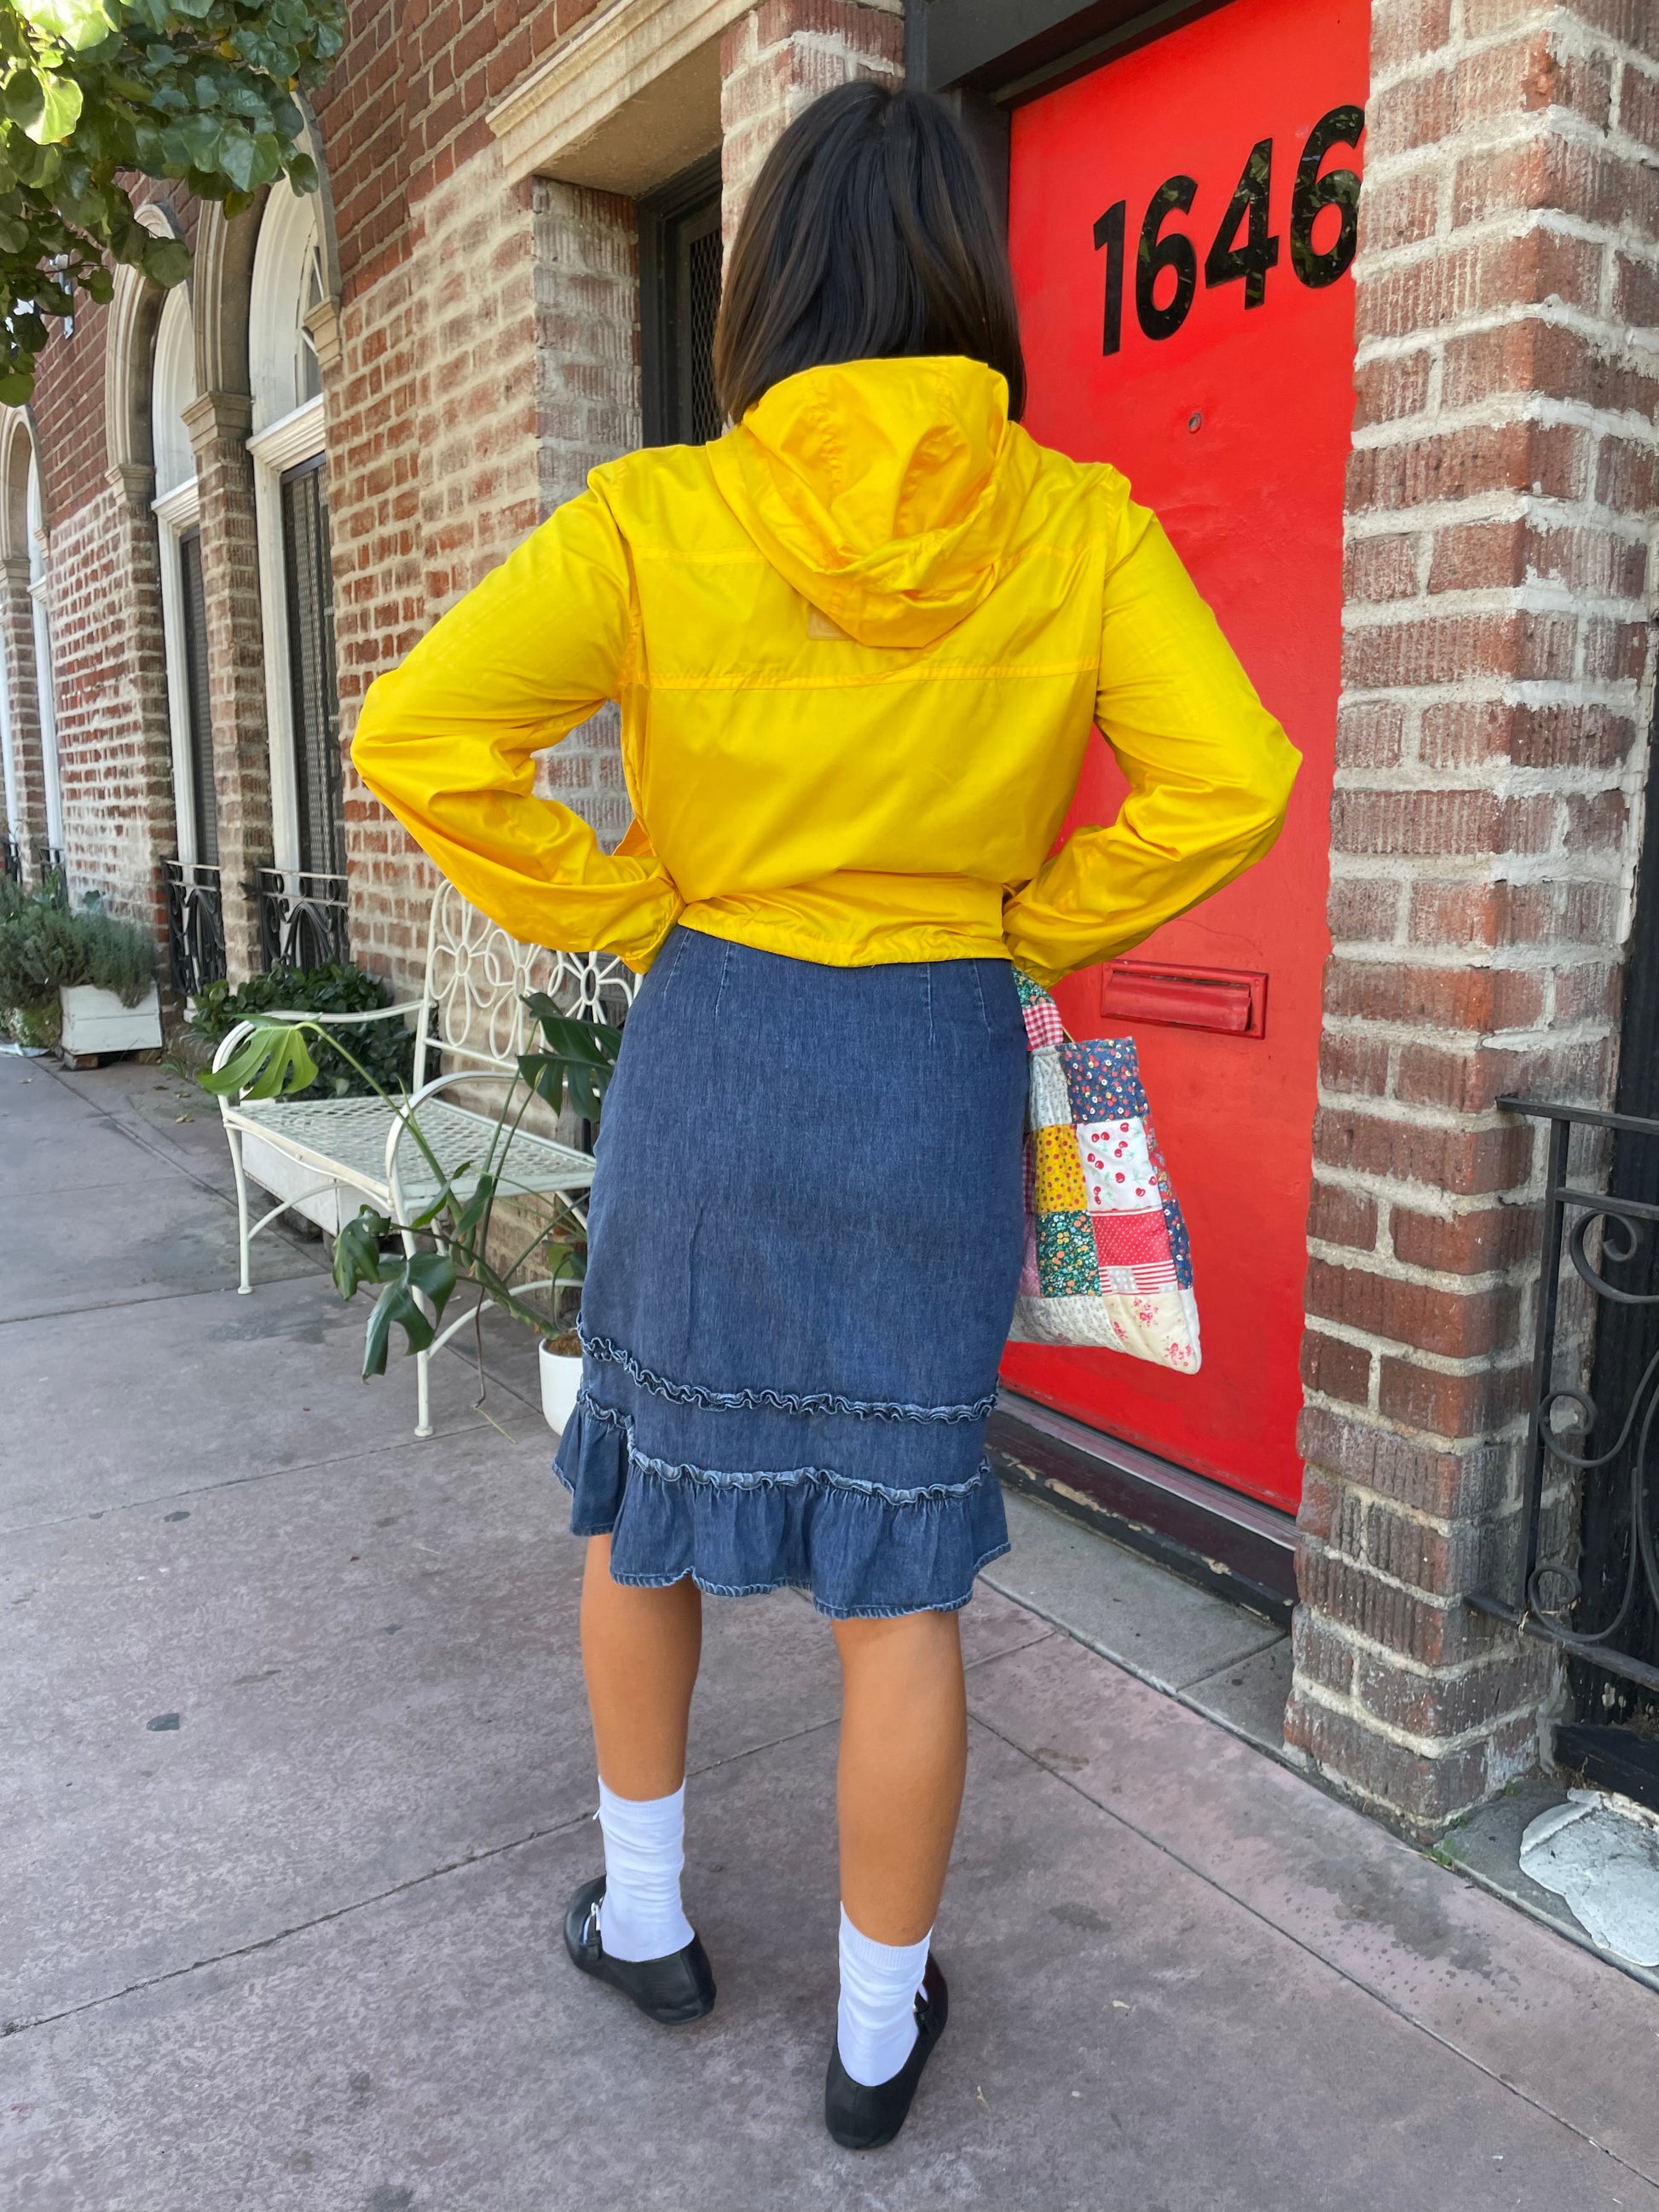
{"points": [[876, 2025], [641, 1917]]}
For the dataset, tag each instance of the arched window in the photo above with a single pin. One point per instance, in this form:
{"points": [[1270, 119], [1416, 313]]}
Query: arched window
{"points": [[184, 606], [297, 586], [173, 387], [288, 285]]}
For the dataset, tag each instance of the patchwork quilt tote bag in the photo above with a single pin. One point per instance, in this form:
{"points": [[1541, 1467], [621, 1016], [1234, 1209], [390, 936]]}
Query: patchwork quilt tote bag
{"points": [[1107, 1260]]}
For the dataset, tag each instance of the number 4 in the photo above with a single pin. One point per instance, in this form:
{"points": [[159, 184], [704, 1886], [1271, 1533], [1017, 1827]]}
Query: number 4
{"points": [[1226, 262]]}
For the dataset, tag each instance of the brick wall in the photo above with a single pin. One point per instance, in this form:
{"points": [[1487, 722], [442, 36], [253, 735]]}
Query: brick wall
{"points": [[109, 682], [777, 61], [478, 382], [1503, 488], [218, 422], [588, 410], [114, 744], [404, 108], [68, 409]]}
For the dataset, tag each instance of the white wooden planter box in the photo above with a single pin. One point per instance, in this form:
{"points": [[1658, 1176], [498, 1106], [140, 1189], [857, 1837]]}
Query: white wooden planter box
{"points": [[319, 1197], [96, 1021]]}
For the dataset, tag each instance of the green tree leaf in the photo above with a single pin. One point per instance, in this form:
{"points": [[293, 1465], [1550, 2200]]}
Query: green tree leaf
{"points": [[166, 260], [76, 23], [60, 110], [25, 96], [94, 91]]}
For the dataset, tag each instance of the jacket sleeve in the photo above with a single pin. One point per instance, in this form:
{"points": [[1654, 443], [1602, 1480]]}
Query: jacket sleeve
{"points": [[1209, 771], [447, 741]]}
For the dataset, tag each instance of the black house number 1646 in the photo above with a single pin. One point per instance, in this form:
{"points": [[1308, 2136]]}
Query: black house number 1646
{"points": [[1243, 249]]}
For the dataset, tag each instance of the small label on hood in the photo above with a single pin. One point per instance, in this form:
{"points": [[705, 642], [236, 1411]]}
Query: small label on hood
{"points": [[818, 624]]}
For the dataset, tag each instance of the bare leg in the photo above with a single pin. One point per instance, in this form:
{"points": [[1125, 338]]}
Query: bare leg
{"points": [[904, 1759], [639, 1654]]}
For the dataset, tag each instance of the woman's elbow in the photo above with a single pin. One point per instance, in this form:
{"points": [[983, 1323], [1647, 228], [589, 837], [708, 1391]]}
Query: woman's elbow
{"points": [[1267, 797], [371, 741]]}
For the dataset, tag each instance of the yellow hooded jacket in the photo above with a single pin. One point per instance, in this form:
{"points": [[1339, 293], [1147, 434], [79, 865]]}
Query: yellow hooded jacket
{"points": [[858, 644]]}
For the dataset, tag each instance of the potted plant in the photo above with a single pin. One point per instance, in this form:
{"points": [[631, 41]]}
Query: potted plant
{"points": [[109, 1003], [559, 1362], [414, 1287], [36, 958], [83, 980]]}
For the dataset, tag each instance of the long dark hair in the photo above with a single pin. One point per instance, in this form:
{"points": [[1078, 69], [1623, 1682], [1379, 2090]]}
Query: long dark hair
{"points": [[866, 236]]}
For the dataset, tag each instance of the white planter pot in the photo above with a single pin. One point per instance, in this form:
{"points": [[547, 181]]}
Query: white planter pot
{"points": [[318, 1197], [96, 1021], [561, 1377]]}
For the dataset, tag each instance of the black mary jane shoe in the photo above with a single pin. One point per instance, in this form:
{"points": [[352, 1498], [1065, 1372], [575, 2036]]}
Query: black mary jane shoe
{"points": [[866, 2119], [674, 1990]]}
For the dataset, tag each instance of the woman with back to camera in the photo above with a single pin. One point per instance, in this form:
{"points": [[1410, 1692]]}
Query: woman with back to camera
{"points": [[858, 644]]}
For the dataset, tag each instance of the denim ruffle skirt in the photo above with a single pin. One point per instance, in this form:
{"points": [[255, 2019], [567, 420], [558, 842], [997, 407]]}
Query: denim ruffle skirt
{"points": [[804, 1240]]}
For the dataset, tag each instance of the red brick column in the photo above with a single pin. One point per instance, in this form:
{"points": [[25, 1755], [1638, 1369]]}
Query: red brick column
{"points": [[587, 389], [218, 423], [114, 743], [777, 61], [478, 381], [1502, 488], [433, 463]]}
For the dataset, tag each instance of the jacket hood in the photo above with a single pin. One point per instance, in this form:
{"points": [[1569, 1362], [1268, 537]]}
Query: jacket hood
{"points": [[884, 491]]}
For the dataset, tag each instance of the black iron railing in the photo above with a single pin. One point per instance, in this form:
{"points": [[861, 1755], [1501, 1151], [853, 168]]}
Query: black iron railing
{"points": [[196, 925], [11, 859], [1589, 1459], [50, 876], [302, 918]]}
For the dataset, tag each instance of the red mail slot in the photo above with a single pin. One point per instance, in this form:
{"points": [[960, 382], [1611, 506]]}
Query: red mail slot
{"points": [[1231, 1000]]}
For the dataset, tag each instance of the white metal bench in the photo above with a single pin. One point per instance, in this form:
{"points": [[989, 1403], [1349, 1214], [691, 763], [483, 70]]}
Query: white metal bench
{"points": [[325, 1158]]}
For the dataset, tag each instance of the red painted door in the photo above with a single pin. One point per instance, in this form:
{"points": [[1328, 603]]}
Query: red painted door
{"points": [[1180, 222]]}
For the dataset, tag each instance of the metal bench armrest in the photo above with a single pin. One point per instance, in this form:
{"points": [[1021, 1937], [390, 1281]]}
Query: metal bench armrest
{"points": [[349, 1021], [227, 1045]]}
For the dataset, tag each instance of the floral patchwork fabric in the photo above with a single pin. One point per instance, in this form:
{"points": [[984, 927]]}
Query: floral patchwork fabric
{"points": [[1107, 1259]]}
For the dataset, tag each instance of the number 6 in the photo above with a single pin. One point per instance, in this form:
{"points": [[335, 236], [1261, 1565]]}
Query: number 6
{"points": [[1156, 255], [1314, 193]]}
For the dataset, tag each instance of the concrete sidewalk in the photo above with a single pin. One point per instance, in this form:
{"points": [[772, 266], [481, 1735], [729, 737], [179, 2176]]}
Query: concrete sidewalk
{"points": [[298, 1781]]}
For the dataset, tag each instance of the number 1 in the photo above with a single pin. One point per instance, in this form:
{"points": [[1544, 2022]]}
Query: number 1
{"points": [[1109, 233]]}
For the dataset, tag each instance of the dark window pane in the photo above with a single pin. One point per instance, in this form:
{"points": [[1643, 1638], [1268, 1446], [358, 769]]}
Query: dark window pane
{"points": [[698, 276], [311, 670], [195, 702], [680, 268]]}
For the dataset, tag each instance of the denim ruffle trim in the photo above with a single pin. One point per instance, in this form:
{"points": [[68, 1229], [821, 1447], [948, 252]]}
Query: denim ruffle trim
{"points": [[778, 1401], [863, 1552]]}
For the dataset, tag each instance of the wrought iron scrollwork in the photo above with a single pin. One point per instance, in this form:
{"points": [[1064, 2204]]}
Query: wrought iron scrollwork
{"points": [[50, 876], [1622, 1232], [302, 918], [1588, 1232], [196, 925]]}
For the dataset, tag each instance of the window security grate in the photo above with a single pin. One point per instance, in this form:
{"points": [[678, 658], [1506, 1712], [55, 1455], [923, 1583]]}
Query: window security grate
{"points": [[311, 670]]}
